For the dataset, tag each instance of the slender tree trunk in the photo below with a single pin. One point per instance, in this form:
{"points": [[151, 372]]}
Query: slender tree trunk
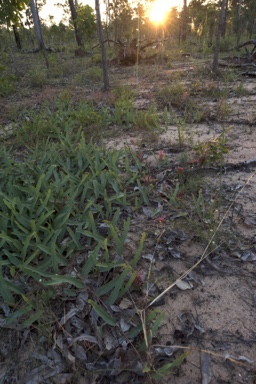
{"points": [[74, 18], [218, 37], [102, 46], [239, 21], [184, 21], [17, 36], [38, 31], [223, 32], [37, 25], [13, 53]]}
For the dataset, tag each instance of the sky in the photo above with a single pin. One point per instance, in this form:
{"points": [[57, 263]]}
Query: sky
{"points": [[50, 9]]}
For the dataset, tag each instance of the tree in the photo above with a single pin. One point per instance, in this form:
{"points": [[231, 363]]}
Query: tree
{"points": [[205, 17], [218, 37], [17, 36], [10, 10], [38, 31], [86, 21], [121, 15], [102, 47], [184, 22], [74, 19], [37, 25]]}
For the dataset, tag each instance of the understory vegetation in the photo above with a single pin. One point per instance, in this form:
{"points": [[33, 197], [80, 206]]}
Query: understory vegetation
{"points": [[68, 205], [97, 187]]}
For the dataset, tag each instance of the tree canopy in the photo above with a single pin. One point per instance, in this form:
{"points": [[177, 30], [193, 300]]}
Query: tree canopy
{"points": [[10, 10]]}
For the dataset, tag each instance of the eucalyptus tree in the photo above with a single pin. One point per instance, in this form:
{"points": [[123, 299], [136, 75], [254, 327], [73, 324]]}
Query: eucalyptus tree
{"points": [[218, 37], [73, 12], [120, 14], [250, 17], [205, 17], [102, 47], [184, 21], [243, 17], [37, 25], [86, 21]]}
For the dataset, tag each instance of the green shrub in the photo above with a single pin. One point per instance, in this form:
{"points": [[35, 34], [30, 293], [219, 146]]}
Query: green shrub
{"points": [[171, 95], [37, 78], [6, 82]]}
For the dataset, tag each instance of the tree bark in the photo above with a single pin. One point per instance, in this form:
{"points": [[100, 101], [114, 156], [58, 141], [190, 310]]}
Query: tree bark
{"points": [[218, 37], [37, 25], [102, 46], [239, 21], [223, 32], [17, 36], [38, 31], [184, 21], [74, 19]]}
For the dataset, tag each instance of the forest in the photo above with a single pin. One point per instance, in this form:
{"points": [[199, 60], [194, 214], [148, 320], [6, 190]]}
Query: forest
{"points": [[128, 192]]}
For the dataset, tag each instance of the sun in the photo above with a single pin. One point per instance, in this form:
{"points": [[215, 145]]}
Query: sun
{"points": [[158, 11]]}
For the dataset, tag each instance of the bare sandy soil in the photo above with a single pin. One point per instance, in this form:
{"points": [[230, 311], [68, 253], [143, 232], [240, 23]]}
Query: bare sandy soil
{"points": [[211, 313]]}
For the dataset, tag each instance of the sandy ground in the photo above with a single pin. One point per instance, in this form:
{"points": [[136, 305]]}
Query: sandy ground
{"points": [[212, 316], [217, 314]]}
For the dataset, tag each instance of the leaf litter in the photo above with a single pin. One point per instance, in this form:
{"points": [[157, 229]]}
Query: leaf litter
{"points": [[215, 313]]}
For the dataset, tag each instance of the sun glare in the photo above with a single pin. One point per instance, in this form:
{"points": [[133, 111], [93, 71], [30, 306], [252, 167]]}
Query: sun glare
{"points": [[158, 11]]}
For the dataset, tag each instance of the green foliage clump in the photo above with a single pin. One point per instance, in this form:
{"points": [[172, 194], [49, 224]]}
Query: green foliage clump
{"points": [[213, 151], [52, 202], [171, 95], [86, 21], [94, 74], [6, 82], [37, 78]]}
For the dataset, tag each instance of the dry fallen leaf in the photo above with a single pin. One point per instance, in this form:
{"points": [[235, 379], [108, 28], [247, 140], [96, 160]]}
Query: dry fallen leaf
{"points": [[206, 372], [184, 285]]}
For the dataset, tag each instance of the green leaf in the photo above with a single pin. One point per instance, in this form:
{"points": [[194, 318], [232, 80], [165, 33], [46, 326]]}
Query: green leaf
{"points": [[4, 291], [139, 251], [15, 315], [27, 243], [32, 319], [167, 368], [91, 261], [119, 284], [61, 279], [102, 313]]}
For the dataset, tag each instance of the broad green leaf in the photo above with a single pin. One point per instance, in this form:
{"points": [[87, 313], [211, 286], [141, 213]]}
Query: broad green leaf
{"points": [[15, 315], [119, 243], [91, 261], [75, 237], [27, 243], [4, 291], [32, 319], [128, 284], [118, 286], [139, 251], [61, 279], [161, 372], [102, 313]]}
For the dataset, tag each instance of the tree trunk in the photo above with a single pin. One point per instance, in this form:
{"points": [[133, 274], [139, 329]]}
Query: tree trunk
{"points": [[239, 21], [37, 25], [184, 21], [218, 37], [223, 32], [102, 46], [17, 36], [74, 19]]}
